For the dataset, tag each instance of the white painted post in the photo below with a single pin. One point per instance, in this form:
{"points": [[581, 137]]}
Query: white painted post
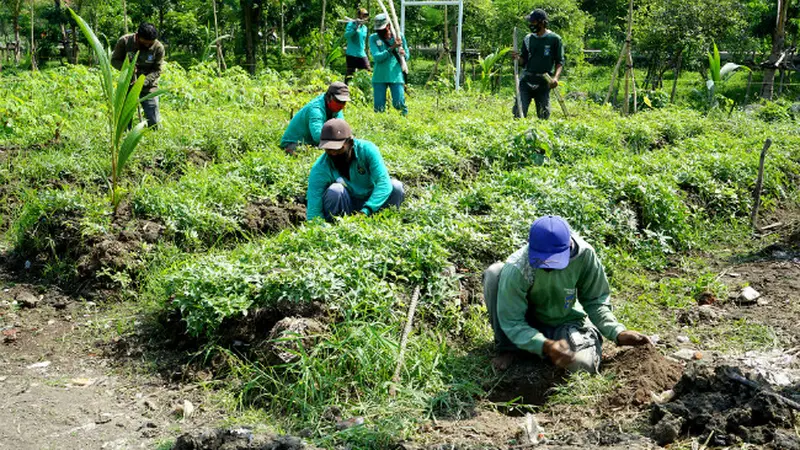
{"points": [[402, 17]]}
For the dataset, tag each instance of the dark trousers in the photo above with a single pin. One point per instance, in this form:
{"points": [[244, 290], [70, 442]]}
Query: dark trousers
{"points": [[355, 63], [538, 91], [338, 202]]}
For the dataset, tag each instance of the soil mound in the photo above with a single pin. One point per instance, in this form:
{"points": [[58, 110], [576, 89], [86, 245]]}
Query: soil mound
{"points": [[641, 371], [267, 216], [237, 439], [711, 404]]}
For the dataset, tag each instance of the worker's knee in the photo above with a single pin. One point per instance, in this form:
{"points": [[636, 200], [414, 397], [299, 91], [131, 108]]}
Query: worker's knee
{"points": [[493, 272]]}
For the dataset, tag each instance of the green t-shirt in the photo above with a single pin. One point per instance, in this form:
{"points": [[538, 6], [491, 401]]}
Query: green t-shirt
{"points": [[554, 298], [541, 54]]}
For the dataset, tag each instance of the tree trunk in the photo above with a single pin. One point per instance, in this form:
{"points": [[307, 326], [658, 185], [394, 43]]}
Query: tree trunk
{"points": [[125, 16], [322, 35], [220, 57], [17, 42], [64, 53], [34, 66], [677, 75], [249, 31], [778, 39], [73, 55]]}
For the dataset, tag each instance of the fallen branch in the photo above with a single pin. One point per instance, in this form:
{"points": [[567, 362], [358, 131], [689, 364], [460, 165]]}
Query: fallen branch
{"points": [[404, 341]]}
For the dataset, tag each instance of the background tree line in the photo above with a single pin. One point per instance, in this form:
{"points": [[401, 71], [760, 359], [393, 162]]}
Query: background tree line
{"points": [[668, 34]]}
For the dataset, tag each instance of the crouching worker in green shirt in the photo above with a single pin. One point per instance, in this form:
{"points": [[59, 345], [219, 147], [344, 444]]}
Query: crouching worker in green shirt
{"points": [[551, 298], [306, 126], [349, 177]]}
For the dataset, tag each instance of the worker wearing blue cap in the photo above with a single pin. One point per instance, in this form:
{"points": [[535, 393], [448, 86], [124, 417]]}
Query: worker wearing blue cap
{"points": [[551, 298]]}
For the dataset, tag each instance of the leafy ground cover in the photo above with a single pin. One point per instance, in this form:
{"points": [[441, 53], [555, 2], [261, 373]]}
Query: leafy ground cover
{"points": [[210, 234]]}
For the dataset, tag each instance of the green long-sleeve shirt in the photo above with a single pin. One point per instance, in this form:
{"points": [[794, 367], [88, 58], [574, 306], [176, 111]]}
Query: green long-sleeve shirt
{"points": [[306, 126], [150, 62], [369, 179], [387, 69], [356, 35], [556, 297]]}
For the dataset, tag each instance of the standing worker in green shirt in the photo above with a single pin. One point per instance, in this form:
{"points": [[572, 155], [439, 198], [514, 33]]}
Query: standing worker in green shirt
{"points": [[356, 35], [350, 177], [551, 298], [150, 63], [306, 126], [387, 48], [542, 53]]}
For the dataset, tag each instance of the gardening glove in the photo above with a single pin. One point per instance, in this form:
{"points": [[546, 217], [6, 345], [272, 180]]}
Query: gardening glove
{"points": [[632, 338], [558, 352]]}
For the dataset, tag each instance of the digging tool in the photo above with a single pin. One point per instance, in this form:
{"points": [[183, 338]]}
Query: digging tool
{"points": [[396, 26], [559, 97], [730, 373], [404, 341], [516, 77]]}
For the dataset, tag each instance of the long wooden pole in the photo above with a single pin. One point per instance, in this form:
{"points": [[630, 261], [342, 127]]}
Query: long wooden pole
{"points": [[404, 341], [220, 57], [520, 112], [396, 26], [628, 39], [759, 184], [34, 66], [322, 35]]}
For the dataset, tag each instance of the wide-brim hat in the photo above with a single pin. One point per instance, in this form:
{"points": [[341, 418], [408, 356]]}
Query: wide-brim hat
{"points": [[549, 243]]}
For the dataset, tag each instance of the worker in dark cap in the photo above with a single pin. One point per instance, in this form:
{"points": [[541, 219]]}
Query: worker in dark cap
{"points": [[306, 126], [542, 57], [350, 177]]}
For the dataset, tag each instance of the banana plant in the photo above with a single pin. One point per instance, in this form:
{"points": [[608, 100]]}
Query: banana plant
{"points": [[490, 68], [717, 73], [122, 100]]}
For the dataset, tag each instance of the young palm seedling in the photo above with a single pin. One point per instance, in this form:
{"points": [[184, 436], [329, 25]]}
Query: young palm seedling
{"points": [[122, 100]]}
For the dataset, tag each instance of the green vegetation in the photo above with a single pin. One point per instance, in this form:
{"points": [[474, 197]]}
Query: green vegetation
{"points": [[647, 191]]}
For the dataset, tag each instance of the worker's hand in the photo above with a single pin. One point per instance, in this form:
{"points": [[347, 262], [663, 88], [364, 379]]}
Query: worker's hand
{"points": [[558, 352], [632, 338], [401, 51], [554, 84], [516, 56], [398, 43]]}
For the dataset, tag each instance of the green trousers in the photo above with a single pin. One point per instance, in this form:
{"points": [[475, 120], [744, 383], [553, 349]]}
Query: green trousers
{"points": [[584, 338]]}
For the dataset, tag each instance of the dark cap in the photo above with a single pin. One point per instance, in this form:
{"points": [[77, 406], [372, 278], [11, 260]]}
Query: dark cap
{"points": [[537, 14], [339, 91], [335, 133]]}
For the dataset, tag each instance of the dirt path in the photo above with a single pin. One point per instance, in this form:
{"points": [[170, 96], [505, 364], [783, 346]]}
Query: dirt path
{"points": [[58, 390]]}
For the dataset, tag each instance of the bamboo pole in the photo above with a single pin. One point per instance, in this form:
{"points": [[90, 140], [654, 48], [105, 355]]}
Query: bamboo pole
{"points": [[34, 66], [404, 341], [283, 32], [759, 184], [625, 49], [220, 57], [520, 112], [322, 35]]}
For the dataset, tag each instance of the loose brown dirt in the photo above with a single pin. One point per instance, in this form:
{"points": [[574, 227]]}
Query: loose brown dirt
{"points": [[641, 372], [267, 216]]}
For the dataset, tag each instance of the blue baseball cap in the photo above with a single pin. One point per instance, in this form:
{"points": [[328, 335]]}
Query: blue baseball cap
{"points": [[549, 243]]}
